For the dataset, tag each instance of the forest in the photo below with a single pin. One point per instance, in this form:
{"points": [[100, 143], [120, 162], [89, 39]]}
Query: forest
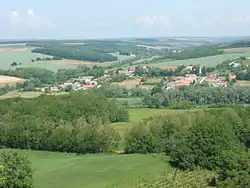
{"points": [[76, 123], [92, 50], [215, 139]]}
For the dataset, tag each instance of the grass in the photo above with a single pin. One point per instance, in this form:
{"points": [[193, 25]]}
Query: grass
{"points": [[23, 54], [210, 61], [135, 116], [61, 170], [27, 94], [13, 94]]}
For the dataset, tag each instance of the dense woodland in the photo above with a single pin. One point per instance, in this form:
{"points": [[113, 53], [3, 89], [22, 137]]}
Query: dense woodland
{"points": [[197, 96], [216, 139], [240, 44], [73, 123], [92, 50], [183, 98]]}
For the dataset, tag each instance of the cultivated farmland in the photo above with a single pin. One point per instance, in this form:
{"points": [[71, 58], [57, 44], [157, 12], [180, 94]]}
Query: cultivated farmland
{"points": [[129, 83], [210, 61], [237, 50], [10, 80]]}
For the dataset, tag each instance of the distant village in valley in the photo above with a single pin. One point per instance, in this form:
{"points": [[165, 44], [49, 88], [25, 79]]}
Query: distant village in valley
{"points": [[172, 82]]}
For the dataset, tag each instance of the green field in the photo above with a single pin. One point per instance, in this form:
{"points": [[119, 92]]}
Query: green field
{"points": [[136, 115], [60, 170], [23, 54], [207, 61]]}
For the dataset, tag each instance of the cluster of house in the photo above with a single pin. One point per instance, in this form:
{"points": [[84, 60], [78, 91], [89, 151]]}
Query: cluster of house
{"points": [[219, 81], [181, 81], [80, 83], [131, 70]]}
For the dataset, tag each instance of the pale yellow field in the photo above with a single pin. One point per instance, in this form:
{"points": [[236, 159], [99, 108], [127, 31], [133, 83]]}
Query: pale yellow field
{"points": [[14, 94], [243, 83], [153, 80], [14, 49], [10, 80], [129, 83], [167, 67], [27, 94], [74, 62], [237, 50], [17, 44]]}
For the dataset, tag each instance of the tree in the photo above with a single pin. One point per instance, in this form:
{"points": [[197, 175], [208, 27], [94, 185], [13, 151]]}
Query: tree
{"points": [[203, 143], [14, 64], [16, 170]]}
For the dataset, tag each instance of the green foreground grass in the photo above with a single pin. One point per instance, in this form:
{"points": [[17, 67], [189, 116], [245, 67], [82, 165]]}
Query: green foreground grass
{"points": [[60, 170]]}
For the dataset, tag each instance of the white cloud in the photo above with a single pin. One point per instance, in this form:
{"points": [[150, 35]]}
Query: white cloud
{"points": [[154, 20], [15, 18], [241, 20], [28, 20]]}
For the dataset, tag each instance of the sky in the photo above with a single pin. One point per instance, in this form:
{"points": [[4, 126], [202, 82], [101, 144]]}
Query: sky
{"points": [[127, 18]]}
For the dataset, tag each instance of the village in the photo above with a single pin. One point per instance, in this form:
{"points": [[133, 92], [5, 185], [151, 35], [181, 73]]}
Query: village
{"points": [[185, 80]]}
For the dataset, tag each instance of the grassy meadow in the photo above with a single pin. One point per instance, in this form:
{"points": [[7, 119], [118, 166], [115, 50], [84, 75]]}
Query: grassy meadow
{"points": [[23, 54], [61, 170], [136, 115]]}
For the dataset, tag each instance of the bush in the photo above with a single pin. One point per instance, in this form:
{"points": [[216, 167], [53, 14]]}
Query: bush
{"points": [[74, 123], [17, 170]]}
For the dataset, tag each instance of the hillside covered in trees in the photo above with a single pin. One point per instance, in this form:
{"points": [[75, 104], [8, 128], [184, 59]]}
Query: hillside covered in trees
{"points": [[75, 123], [91, 50], [217, 140]]}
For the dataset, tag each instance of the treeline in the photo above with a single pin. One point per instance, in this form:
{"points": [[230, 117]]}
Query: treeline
{"points": [[75, 53], [202, 51], [215, 139], [95, 50], [184, 98], [75, 123], [197, 96], [240, 44]]}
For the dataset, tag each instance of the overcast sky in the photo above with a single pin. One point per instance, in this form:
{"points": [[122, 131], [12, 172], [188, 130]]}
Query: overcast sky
{"points": [[126, 18]]}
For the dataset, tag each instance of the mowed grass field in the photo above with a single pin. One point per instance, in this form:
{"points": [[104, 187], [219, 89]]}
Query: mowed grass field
{"points": [[210, 61], [138, 114], [61, 170]]}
